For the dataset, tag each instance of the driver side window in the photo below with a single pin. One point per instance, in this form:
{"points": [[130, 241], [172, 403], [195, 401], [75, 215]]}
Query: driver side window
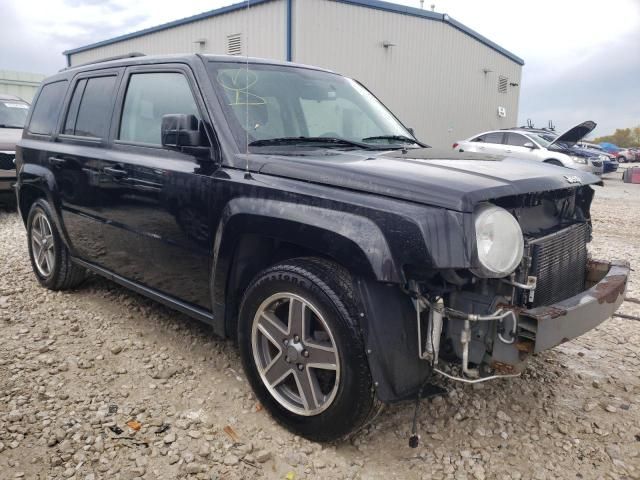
{"points": [[517, 140], [149, 97]]}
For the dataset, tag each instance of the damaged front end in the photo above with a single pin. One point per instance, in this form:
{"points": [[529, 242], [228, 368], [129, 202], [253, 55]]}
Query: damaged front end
{"points": [[474, 329]]}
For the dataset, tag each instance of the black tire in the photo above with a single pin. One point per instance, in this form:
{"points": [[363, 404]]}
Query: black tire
{"points": [[329, 288], [555, 162], [622, 159], [64, 274]]}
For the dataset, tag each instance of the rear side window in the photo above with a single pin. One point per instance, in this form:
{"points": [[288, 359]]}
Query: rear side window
{"points": [[494, 137], [91, 106], [46, 111], [150, 96]]}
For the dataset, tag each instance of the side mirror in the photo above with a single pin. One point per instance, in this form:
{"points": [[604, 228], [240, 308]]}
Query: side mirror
{"points": [[182, 132], [530, 145]]}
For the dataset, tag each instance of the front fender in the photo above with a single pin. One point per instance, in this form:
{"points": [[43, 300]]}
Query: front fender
{"points": [[354, 241]]}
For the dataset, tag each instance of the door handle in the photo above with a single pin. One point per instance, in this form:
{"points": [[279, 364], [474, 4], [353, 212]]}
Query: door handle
{"points": [[57, 161], [509, 151], [115, 172]]}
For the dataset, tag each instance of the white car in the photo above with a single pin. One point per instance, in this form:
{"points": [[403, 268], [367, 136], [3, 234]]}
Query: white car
{"points": [[13, 113], [538, 145]]}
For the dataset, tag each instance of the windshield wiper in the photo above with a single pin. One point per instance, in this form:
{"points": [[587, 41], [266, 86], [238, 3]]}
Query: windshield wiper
{"points": [[302, 140], [397, 138], [10, 126]]}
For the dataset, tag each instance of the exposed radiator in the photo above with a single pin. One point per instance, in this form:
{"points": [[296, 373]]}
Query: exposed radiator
{"points": [[559, 261]]}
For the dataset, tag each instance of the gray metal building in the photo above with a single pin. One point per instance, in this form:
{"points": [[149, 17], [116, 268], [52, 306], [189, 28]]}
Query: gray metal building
{"points": [[437, 75], [22, 84]]}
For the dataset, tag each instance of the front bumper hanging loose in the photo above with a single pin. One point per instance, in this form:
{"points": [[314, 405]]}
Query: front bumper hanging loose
{"points": [[574, 316], [534, 330]]}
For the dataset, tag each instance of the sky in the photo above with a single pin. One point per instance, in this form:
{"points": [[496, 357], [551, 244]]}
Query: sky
{"points": [[582, 57]]}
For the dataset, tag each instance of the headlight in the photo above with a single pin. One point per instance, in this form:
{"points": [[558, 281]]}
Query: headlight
{"points": [[604, 158], [578, 159], [499, 242]]}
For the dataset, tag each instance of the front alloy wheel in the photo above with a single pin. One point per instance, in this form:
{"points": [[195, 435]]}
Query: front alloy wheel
{"points": [[302, 349], [295, 353]]}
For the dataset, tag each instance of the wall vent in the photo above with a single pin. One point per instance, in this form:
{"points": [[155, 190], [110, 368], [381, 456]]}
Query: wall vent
{"points": [[234, 44], [502, 84]]}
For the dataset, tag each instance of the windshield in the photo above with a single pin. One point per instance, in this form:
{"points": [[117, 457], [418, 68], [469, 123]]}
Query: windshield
{"points": [[13, 113], [268, 102]]}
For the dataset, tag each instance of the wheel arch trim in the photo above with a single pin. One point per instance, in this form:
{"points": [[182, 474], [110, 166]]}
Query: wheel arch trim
{"points": [[354, 241], [33, 177]]}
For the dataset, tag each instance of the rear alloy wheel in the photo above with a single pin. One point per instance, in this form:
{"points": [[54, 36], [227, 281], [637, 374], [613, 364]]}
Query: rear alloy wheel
{"points": [[42, 244], [302, 350], [622, 159], [49, 256]]}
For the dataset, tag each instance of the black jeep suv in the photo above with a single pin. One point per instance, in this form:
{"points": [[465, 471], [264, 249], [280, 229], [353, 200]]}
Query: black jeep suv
{"points": [[288, 208]]}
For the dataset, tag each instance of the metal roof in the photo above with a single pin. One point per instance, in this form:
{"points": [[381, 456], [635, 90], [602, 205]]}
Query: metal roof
{"points": [[374, 4]]}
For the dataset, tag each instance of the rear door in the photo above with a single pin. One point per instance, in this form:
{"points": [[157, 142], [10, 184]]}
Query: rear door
{"points": [[76, 157], [158, 201]]}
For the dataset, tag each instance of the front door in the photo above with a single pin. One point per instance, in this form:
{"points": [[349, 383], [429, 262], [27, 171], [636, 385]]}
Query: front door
{"points": [[515, 146], [159, 201]]}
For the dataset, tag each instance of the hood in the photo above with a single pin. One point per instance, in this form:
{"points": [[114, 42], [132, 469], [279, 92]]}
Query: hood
{"points": [[443, 178], [9, 137], [577, 133]]}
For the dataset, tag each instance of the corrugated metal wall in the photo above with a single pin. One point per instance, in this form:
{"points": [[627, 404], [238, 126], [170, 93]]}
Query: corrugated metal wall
{"points": [[433, 78], [22, 84], [266, 22]]}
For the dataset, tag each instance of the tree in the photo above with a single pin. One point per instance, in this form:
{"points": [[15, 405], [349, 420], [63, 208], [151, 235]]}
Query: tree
{"points": [[623, 137]]}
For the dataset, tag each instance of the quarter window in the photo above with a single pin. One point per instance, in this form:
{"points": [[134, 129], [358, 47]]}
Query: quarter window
{"points": [[90, 109], [149, 97], [47, 108]]}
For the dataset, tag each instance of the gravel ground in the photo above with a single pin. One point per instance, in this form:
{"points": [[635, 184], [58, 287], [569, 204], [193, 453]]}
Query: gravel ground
{"points": [[75, 365]]}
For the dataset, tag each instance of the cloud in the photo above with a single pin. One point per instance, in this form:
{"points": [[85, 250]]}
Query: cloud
{"points": [[38, 31], [582, 59]]}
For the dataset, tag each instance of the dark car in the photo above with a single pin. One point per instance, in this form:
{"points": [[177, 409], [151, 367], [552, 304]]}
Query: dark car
{"points": [[13, 113], [609, 163], [288, 208]]}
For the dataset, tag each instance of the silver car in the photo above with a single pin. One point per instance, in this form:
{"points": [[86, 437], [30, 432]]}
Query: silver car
{"points": [[13, 114], [538, 145]]}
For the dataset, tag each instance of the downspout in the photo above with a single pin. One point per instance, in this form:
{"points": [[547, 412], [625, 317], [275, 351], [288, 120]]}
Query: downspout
{"points": [[289, 28]]}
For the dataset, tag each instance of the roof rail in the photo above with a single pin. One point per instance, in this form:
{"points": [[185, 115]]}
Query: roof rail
{"points": [[107, 59]]}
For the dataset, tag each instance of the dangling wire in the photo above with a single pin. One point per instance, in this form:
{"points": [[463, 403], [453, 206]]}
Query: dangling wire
{"points": [[414, 438]]}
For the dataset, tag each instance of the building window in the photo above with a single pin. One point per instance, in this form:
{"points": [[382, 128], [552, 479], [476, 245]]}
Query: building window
{"points": [[234, 44], [502, 84]]}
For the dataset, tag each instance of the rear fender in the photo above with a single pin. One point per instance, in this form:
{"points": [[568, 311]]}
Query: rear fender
{"points": [[33, 177]]}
